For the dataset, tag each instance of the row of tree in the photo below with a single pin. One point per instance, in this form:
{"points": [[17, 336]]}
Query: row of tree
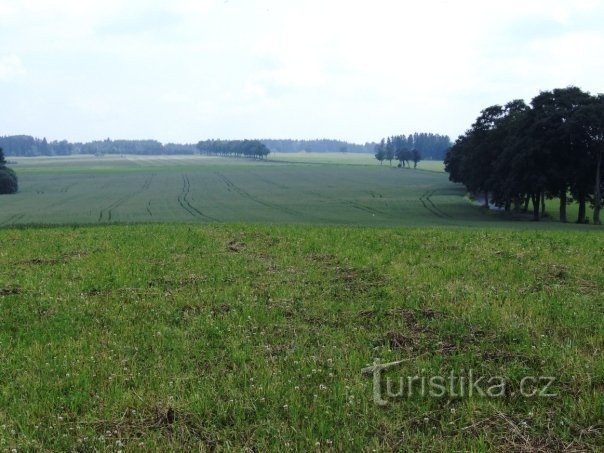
{"points": [[517, 153], [27, 146], [234, 148], [432, 146], [8, 178], [396, 147], [316, 146]]}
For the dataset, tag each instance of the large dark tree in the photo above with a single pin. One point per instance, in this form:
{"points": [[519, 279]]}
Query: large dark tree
{"points": [[516, 153], [588, 124], [562, 145], [472, 157]]}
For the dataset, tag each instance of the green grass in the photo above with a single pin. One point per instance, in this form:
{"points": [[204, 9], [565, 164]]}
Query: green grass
{"points": [[241, 337], [227, 304]]}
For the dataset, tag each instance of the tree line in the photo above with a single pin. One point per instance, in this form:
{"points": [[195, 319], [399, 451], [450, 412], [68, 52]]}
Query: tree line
{"points": [[518, 154], [8, 178], [27, 146], [431, 145], [234, 148], [316, 146], [412, 148]]}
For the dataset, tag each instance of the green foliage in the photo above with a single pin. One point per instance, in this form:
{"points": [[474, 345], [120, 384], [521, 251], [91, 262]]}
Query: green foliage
{"points": [[8, 179], [380, 151], [234, 148], [517, 152]]}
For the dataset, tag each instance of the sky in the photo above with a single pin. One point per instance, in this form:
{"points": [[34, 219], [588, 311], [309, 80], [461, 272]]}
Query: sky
{"points": [[186, 70]]}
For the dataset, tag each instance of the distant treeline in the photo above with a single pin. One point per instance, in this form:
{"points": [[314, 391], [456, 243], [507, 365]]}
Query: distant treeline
{"points": [[316, 146], [25, 145], [234, 148], [431, 146]]}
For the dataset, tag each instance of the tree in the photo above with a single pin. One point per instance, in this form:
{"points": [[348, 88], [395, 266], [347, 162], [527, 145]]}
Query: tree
{"points": [[389, 150], [472, 157], [518, 153], [380, 151], [8, 178], [589, 119], [562, 144], [416, 156]]}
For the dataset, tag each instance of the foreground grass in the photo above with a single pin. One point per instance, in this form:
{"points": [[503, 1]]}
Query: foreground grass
{"points": [[245, 337]]}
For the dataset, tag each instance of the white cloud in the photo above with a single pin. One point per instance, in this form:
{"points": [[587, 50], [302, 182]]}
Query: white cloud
{"points": [[355, 69], [11, 67]]}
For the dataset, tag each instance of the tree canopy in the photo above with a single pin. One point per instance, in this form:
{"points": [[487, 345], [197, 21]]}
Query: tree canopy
{"points": [[518, 153], [234, 148]]}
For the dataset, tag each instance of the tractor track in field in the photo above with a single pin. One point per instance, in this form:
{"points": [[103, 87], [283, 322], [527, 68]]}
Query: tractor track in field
{"points": [[244, 194], [183, 200], [364, 208], [269, 182], [427, 202], [12, 219], [66, 188], [352, 204], [106, 213]]}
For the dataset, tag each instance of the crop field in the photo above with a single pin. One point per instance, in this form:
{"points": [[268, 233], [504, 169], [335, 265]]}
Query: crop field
{"points": [[208, 304], [307, 189]]}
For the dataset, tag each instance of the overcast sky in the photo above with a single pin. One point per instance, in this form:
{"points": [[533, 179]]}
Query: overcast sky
{"points": [[185, 70]]}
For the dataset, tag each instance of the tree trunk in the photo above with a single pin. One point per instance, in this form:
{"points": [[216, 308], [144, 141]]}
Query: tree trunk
{"points": [[598, 191], [563, 206], [486, 199], [581, 216], [508, 205], [517, 205], [543, 204], [536, 197], [526, 203]]}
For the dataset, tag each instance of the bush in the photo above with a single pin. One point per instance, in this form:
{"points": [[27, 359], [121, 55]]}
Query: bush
{"points": [[8, 181]]}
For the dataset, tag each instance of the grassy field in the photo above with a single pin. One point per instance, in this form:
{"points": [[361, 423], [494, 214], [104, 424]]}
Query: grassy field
{"points": [[303, 188], [240, 337], [200, 189], [175, 303]]}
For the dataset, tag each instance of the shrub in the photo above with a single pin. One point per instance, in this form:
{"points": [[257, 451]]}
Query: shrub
{"points": [[8, 181]]}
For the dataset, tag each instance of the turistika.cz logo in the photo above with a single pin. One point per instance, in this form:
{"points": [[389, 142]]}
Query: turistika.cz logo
{"points": [[454, 385]]}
